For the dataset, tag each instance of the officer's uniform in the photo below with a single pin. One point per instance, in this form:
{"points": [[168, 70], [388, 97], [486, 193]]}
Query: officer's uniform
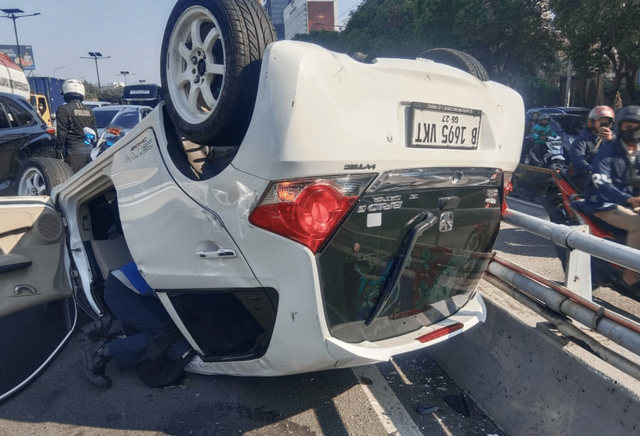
{"points": [[134, 304], [71, 119]]}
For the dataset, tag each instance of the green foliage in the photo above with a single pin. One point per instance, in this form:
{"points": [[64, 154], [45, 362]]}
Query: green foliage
{"points": [[326, 38], [111, 95], [600, 37]]}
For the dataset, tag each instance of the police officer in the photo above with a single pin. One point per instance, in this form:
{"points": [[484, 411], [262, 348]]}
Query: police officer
{"points": [[608, 193], [137, 313], [585, 146], [71, 119]]}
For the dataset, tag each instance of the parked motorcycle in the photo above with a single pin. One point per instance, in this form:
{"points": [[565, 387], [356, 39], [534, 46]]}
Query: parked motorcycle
{"points": [[564, 205]]}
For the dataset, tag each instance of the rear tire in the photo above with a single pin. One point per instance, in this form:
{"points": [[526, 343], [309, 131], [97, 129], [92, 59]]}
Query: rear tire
{"points": [[210, 67], [457, 59], [39, 175]]}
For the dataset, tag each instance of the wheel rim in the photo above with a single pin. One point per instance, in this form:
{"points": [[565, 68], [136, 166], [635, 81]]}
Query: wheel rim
{"points": [[32, 183], [196, 65]]}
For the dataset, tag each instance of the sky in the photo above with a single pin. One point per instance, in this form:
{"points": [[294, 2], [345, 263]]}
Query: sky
{"points": [[129, 31]]}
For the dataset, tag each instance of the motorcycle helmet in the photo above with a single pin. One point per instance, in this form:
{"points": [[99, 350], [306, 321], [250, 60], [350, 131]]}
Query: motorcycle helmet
{"points": [[600, 112], [629, 113], [72, 89], [543, 119]]}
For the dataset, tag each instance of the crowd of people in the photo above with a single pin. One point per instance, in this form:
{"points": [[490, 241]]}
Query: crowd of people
{"points": [[601, 163]]}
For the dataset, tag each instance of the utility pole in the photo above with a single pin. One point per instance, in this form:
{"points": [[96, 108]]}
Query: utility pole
{"points": [[96, 56], [12, 14], [125, 74]]}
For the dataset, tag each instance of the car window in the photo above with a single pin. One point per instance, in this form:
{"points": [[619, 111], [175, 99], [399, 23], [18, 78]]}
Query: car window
{"points": [[126, 120], [103, 118], [19, 115], [4, 119]]}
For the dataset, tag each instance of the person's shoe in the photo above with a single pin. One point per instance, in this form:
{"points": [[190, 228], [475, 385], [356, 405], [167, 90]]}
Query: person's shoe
{"points": [[94, 357], [103, 327]]}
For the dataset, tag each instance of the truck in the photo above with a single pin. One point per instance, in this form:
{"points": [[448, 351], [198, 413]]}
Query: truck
{"points": [[12, 78], [144, 94], [46, 96]]}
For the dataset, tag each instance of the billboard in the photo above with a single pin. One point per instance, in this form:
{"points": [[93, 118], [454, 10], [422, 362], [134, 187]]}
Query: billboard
{"points": [[26, 54], [321, 15]]}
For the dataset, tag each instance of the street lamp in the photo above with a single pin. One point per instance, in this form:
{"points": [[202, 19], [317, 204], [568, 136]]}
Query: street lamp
{"points": [[11, 13], [125, 74], [96, 56], [56, 69]]}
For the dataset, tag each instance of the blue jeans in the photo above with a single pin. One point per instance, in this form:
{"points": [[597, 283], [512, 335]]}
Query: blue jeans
{"points": [[142, 317]]}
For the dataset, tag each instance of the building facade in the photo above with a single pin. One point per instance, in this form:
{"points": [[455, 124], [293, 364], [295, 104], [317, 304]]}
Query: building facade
{"points": [[275, 9], [304, 16]]}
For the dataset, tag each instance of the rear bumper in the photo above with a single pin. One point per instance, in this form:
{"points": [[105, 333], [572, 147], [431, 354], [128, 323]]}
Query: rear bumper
{"points": [[332, 353]]}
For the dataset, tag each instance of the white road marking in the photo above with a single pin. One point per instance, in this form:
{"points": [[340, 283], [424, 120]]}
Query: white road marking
{"points": [[392, 414], [404, 378]]}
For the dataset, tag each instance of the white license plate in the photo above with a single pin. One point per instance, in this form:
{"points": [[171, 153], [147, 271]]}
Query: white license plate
{"points": [[435, 125]]}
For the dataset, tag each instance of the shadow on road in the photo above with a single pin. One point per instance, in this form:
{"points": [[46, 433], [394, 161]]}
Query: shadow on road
{"points": [[527, 244]]}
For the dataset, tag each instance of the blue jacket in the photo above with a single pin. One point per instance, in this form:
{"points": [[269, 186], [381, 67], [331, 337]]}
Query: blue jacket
{"points": [[608, 185], [583, 152], [130, 276]]}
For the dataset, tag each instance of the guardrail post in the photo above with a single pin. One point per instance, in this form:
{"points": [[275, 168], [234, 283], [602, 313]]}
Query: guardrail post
{"points": [[578, 273]]}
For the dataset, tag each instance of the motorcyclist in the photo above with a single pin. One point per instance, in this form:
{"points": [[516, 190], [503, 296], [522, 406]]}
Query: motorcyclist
{"points": [[607, 193], [584, 147], [539, 135], [71, 119], [526, 146]]}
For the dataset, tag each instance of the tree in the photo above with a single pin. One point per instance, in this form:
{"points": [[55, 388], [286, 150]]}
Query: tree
{"points": [[600, 37], [514, 39]]}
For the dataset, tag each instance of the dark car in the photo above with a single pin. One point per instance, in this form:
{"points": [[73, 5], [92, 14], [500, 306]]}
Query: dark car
{"points": [[126, 119], [104, 115], [27, 150]]}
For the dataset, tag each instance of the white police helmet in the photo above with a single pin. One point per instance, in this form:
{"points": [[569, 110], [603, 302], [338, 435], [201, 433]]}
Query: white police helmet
{"points": [[72, 89]]}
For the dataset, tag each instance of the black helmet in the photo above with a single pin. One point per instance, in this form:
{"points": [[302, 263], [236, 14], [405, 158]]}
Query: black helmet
{"points": [[544, 116], [629, 113], [628, 137]]}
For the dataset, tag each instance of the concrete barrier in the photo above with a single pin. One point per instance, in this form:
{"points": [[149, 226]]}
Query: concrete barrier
{"points": [[532, 381]]}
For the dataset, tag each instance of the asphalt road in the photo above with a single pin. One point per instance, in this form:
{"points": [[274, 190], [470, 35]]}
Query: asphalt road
{"points": [[380, 399]]}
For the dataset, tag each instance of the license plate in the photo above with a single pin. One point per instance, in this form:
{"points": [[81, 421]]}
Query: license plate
{"points": [[435, 125]]}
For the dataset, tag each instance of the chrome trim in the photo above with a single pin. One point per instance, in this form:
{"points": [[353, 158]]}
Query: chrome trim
{"points": [[435, 178]]}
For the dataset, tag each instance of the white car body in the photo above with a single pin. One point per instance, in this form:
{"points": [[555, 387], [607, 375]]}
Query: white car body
{"points": [[317, 113]]}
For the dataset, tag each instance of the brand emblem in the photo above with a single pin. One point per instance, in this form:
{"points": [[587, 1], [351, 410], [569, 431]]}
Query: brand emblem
{"points": [[446, 222], [360, 167]]}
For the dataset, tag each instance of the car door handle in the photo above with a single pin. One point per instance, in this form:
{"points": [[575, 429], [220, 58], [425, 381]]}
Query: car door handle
{"points": [[216, 254], [18, 289]]}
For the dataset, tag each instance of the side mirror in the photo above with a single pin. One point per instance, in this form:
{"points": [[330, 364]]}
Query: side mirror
{"points": [[89, 133]]}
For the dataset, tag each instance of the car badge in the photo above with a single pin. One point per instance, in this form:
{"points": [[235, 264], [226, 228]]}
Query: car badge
{"points": [[446, 222]]}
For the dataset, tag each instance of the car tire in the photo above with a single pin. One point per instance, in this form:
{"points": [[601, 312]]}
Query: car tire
{"points": [[39, 175], [457, 59], [211, 84]]}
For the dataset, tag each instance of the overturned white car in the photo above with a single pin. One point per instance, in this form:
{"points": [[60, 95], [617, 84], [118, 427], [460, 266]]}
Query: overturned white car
{"points": [[338, 213]]}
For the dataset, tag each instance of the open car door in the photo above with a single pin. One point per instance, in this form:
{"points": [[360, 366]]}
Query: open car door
{"points": [[37, 308]]}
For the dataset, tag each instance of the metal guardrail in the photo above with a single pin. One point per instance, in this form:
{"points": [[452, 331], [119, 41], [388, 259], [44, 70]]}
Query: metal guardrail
{"points": [[548, 298]]}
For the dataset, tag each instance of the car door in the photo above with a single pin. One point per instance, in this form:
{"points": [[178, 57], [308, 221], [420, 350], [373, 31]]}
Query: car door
{"points": [[37, 308]]}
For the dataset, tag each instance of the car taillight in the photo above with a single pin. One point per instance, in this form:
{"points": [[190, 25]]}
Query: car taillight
{"points": [[308, 210], [507, 187], [438, 333], [51, 130]]}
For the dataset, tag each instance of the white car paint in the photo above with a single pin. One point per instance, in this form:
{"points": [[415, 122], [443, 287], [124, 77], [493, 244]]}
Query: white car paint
{"points": [[316, 112]]}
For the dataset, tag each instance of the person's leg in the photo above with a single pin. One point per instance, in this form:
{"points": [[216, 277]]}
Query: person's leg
{"points": [[137, 313], [128, 351], [77, 161], [625, 219]]}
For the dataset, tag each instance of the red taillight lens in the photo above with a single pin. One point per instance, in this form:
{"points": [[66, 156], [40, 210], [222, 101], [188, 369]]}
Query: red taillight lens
{"points": [[51, 130], [438, 333], [308, 211]]}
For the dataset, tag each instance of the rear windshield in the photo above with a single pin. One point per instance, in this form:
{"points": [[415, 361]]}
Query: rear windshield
{"points": [[126, 120], [103, 118]]}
